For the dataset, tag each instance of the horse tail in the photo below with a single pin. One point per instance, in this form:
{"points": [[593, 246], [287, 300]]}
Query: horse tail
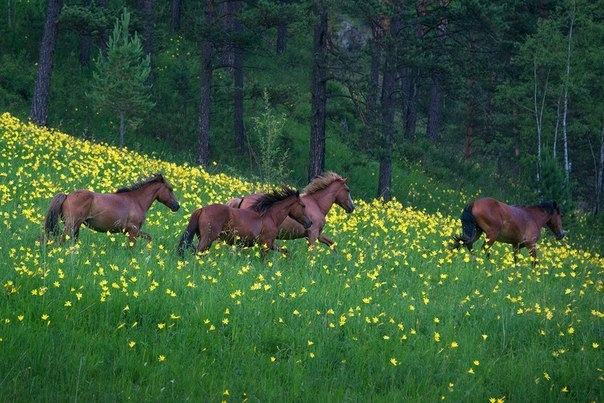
{"points": [[54, 213], [469, 228], [190, 231]]}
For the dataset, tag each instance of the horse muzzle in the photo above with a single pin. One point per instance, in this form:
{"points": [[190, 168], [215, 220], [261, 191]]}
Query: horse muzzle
{"points": [[307, 223], [174, 207], [561, 235]]}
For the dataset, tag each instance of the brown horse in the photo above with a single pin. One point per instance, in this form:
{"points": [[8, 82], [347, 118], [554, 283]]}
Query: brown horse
{"points": [[122, 211], [318, 197], [258, 225], [519, 226]]}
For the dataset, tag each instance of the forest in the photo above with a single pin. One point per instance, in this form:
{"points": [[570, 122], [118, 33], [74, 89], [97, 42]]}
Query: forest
{"points": [[501, 98]]}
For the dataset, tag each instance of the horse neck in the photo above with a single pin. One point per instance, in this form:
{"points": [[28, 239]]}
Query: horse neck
{"points": [[279, 210], [540, 215], [144, 196], [325, 198]]}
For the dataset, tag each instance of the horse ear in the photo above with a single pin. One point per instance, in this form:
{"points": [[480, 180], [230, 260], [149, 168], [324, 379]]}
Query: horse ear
{"points": [[345, 179]]}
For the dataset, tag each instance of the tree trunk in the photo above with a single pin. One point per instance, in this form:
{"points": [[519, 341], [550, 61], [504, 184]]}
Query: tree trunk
{"points": [[319, 93], [85, 43], [388, 103], [282, 37], [388, 110], [469, 120], [41, 96], [567, 166], [175, 15], [434, 108], [599, 176], [207, 54], [122, 129], [410, 91], [238, 78]]}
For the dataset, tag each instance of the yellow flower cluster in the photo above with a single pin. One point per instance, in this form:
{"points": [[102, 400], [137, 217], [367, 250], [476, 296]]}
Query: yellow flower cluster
{"points": [[392, 288]]}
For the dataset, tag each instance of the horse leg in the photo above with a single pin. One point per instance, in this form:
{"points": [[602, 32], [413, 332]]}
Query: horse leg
{"points": [[532, 248], [207, 235], [488, 243], [327, 241]]}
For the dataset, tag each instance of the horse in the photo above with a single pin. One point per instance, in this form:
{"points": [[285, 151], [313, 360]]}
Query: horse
{"points": [[257, 225], [519, 226], [318, 197], [122, 211]]}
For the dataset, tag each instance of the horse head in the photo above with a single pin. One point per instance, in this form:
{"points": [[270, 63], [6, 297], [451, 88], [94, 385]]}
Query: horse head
{"points": [[555, 221], [297, 211], [165, 194], [343, 198]]}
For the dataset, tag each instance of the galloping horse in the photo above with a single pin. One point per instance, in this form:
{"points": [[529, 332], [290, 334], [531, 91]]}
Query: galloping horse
{"points": [[258, 225], [519, 226], [122, 211], [318, 197]]}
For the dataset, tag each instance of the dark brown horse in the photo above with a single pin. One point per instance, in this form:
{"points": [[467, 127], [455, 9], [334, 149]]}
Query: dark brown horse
{"points": [[122, 211], [519, 226], [258, 225], [318, 197]]}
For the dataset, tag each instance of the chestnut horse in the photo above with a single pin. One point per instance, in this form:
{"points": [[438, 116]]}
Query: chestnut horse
{"points": [[122, 211], [258, 225], [519, 226], [318, 197]]}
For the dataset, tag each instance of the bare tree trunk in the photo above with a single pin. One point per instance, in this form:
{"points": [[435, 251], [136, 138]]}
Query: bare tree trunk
{"points": [[282, 29], [41, 96], [567, 166], [388, 111], [122, 129], [434, 108], [319, 93], [85, 43], [469, 121], [175, 16], [238, 77], [599, 176], [207, 55]]}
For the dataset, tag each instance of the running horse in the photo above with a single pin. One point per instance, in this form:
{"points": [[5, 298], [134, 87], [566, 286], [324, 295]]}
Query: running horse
{"points": [[122, 211], [257, 225], [519, 226], [318, 196]]}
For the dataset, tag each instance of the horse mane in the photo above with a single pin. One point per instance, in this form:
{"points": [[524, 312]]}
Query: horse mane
{"points": [[550, 206], [158, 177], [321, 182], [268, 199]]}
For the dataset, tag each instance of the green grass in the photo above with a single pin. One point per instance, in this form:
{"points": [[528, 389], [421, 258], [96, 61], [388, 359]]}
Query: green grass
{"points": [[391, 316]]}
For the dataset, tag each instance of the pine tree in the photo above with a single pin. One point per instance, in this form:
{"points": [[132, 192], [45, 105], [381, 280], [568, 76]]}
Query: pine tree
{"points": [[120, 81]]}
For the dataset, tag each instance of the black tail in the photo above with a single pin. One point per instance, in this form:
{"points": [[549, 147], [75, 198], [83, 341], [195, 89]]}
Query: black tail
{"points": [[189, 234], [469, 227], [53, 214]]}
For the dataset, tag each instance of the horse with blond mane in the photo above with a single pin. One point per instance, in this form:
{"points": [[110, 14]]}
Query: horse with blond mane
{"points": [[318, 196]]}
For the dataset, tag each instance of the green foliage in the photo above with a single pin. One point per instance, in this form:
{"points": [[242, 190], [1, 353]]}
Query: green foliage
{"points": [[553, 184], [272, 157], [120, 81], [393, 316]]}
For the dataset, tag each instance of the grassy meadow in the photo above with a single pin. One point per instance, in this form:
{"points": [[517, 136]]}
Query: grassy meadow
{"points": [[391, 316]]}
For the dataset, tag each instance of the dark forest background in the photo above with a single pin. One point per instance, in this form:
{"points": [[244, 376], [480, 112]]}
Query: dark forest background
{"points": [[503, 99]]}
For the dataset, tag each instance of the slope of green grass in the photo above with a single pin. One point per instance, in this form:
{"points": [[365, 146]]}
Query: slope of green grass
{"points": [[391, 316]]}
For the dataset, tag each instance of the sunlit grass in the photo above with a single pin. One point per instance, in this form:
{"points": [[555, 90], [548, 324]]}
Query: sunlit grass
{"points": [[393, 315]]}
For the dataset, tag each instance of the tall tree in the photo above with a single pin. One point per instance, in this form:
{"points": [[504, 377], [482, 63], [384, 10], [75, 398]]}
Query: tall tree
{"points": [[318, 90], [120, 80], [41, 96], [207, 69]]}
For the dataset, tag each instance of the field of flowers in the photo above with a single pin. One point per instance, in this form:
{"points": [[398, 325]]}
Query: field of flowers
{"points": [[391, 316]]}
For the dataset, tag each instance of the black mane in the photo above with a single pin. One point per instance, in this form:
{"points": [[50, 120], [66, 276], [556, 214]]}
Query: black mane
{"points": [[158, 177], [268, 199]]}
